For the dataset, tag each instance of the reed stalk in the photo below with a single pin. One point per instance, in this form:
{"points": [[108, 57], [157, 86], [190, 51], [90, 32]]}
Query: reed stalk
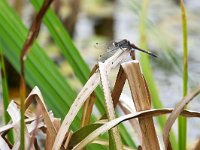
{"points": [[182, 122]]}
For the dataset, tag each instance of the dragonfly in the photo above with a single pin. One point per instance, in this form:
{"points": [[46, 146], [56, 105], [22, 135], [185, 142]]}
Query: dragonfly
{"points": [[113, 46]]}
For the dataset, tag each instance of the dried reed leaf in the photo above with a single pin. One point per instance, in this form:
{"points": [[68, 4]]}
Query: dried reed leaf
{"points": [[3, 144], [106, 143], [56, 123], [35, 28], [33, 125], [197, 146], [89, 87], [142, 114], [36, 94], [141, 100], [177, 111], [36, 124], [14, 113], [16, 126], [134, 122], [5, 128], [88, 105], [69, 135], [10, 126], [116, 139], [118, 87]]}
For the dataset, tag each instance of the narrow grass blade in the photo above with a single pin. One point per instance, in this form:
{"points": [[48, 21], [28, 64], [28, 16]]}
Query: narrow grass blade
{"points": [[182, 122], [148, 72], [5, 95]]}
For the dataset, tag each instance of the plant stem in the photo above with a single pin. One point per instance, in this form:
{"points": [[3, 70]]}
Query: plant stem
{"points": [[182, 122], [5, 95], [148, 72]]}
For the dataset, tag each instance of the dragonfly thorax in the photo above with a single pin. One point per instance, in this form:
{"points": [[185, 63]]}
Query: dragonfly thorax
{"points": [[122, 44]]}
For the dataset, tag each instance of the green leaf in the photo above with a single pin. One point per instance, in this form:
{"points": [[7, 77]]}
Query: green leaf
{"points": [[39, 69], [68, 49], [182, 122]]}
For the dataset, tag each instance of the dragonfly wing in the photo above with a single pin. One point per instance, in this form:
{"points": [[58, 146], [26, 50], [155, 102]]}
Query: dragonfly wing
{"points": [[107, 46], [107, 55], [103, 45]]}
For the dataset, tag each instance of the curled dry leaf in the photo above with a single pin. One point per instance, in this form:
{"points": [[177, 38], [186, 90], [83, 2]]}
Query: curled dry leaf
{"points": [[36, 94], [176, 112], [34, 122], [142, 114]]}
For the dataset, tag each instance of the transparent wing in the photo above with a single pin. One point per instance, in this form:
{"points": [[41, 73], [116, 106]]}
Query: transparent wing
{"points": [[106, 55], [106, 46], [109, 49]]}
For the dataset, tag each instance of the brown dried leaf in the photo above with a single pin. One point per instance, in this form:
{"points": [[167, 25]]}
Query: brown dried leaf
{"points": [[3, 144], [197, 146], [14, 113], [176, 112], [36, 95], [134, 122], [142, 114], [118, 87], [35, 28], [142, 101], [88, 105]]}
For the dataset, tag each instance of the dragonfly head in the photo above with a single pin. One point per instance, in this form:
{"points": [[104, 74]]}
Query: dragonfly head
{"points": [[122, 44]]}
